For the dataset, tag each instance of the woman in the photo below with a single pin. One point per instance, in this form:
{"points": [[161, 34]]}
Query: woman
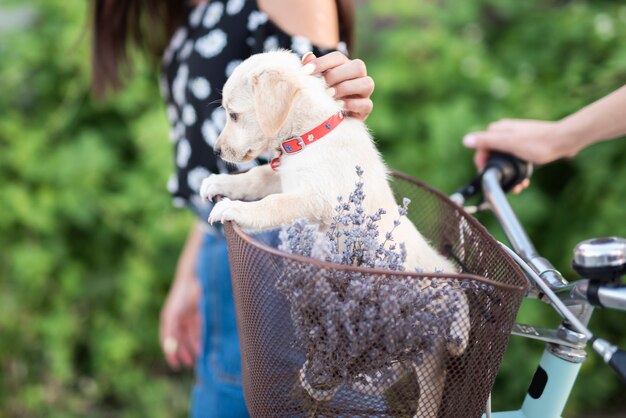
{"points": [[207, 39]]}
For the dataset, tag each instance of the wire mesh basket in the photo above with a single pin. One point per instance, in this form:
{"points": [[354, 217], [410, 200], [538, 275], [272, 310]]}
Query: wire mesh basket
{"points": [[281, 373]]}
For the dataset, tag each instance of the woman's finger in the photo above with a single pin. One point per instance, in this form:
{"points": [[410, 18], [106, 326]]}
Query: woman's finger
{"points": [[497, 141], [350, 70], [362, 87], [358, 107], [186, 351], [191, 340], [170, 346], [520, 187], [308, 57], [325, 62], [480, 158]]}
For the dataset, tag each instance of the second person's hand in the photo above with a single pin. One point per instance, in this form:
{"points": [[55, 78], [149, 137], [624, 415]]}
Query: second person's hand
{"points": [[179, 327], [536, 141]]}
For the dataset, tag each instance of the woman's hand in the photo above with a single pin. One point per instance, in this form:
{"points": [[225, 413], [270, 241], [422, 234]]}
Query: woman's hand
{"points": [[179, 328], [536, 141], [347, 79]]}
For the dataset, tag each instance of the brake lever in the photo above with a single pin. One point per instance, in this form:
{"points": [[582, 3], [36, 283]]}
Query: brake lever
{"points": [[611, 354]]}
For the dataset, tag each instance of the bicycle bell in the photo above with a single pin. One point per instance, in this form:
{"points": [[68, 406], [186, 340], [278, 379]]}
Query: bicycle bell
{"points": [[601, 259]]}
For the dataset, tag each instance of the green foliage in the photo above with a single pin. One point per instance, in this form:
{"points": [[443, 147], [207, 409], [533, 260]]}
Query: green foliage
{"points": [[443, 69], [88, 235], [89, 240]]}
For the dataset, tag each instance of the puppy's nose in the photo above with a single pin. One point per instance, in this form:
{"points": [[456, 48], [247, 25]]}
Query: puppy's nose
{"points": [[217, 150]]}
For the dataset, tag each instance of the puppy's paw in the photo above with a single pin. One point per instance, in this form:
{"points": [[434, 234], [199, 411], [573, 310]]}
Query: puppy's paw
{"points": [[227, 210], [215, 185]]}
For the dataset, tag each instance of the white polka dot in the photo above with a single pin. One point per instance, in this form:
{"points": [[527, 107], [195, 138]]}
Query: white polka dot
{"points": [[200, 87], [172, 184], [185, 52], [196, 15], [256, 19], [179, 84], [167, 56], [213, 14], [177, 40], [178, 132], [234, 6], [218, 117], [271, 44], [251, 41], [189, 115], [195, 177], [209, 133], [183, 153], [211, 44], [230, 67], [172, 114], [179, 37], [300, 44]]}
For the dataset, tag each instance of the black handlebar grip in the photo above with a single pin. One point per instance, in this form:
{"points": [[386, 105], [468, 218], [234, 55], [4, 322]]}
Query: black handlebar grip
{"points": [[511, 169], [511, 172], [618, 363]]}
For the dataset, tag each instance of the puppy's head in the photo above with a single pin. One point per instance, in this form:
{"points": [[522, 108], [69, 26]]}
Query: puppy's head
{"points": [[258, 98]]}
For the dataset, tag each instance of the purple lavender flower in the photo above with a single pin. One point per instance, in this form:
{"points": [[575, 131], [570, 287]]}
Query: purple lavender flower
{"points": [[352, 325]]}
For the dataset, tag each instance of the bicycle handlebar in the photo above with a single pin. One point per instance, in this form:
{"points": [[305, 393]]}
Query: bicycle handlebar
{"points": [[573, 301], [613, 356], [511, 170]]}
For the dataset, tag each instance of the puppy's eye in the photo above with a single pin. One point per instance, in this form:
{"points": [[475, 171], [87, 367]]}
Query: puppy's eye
{"points": [[233, 116]]}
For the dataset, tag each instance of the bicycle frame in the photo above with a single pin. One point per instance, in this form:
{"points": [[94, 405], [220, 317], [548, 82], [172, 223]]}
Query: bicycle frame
{"points": [[565, 349]]}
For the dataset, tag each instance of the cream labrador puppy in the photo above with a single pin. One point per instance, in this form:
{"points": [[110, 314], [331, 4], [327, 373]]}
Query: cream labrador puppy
{"points": [[274, 106]]}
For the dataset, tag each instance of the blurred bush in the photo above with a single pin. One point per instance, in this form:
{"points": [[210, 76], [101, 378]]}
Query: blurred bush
{"points": [[89, 240]]}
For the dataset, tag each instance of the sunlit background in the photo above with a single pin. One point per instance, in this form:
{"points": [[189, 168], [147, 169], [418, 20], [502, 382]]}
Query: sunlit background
{"points": [[89, 239]]}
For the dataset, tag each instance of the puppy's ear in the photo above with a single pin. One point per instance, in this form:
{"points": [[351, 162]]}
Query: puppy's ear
{"points": [[274, 93]]}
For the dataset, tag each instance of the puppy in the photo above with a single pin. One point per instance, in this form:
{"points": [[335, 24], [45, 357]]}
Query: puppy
{"points": [[275, 107]]}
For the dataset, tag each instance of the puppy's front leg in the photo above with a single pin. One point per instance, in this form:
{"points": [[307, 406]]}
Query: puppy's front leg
{"points": [[254, 184], [270, 212]]}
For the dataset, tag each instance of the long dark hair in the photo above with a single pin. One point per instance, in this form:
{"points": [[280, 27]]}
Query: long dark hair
{"points": [[119, 24], [148, 25]]}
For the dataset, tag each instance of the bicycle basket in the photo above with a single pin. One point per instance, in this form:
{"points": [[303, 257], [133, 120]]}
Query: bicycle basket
{"points": [[277, 367]]}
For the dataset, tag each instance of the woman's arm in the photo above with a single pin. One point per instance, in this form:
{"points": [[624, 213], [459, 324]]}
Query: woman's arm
{"points": [[543, 142], [316, 20], [602, 120]]}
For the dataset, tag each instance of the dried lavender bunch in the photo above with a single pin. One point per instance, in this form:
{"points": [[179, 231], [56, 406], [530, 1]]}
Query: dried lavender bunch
{"points": [[354, 326]]}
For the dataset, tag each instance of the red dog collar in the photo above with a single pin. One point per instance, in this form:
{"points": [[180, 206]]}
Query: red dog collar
{"points": [[297, 144]]}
